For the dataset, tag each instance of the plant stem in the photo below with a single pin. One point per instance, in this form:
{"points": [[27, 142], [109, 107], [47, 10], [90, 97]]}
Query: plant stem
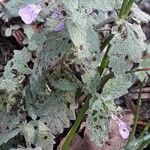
{"points": [[104, 62], [145, 130], [74, 128], [128, 8], [137, 113], [105, 59], [80, 116], [144, 145], [123, 8], [135, 144]]}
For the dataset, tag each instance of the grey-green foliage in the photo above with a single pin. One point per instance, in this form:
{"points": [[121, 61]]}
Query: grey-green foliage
{"points": [[86, 42], [9, 135], [87, 51], [138, 15], [103, 5], [35, 93], [52, 49], [18, 64], [9, 127], [56, 114], [38, 133], [126, 47], [53, 108], [144, 63], [102, 106], [63, 84], [50, 97], [98, 121], [117, 86]]}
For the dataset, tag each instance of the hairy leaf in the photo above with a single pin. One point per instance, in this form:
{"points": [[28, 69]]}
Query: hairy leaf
{"points": [[56, 114], [117, 87], [54, 48], [126, 48], [63, 84], [98, 122], [38, 134], [139, 15], [5, 138]]}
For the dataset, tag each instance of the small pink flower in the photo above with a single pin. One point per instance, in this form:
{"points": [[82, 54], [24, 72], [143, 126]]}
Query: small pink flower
{"points": [[123, 127], [29, 13]]}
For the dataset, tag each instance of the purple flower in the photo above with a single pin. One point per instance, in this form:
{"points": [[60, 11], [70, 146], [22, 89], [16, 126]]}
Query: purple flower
{"points": [[59, 27], [29, 13], [57, 15], [123, 127]]}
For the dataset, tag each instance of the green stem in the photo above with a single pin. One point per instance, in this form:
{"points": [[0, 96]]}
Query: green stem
{"points": [[128, 8], [106, 41], [74, 128], [135, 144], [123, 8], [81, 115], [144, 145], [145, 130], [105, 60], [137, 113]]}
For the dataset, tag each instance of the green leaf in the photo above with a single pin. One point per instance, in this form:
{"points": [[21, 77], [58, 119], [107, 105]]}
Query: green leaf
{"points": [[71, 5], [117, 87], [103, 5], [64, 85], [138, 15], [126, 47], [87, 44], [8, 84], [98, 122], [18, 63], [56, 114], [35, 93], [5, 138], [38, 134], [92, 80], [53, 49], [87, 53]]}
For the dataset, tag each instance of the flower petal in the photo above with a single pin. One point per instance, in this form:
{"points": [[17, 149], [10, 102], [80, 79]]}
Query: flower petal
{"points": [[123, 127], [29, 13], [59, 27]]}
